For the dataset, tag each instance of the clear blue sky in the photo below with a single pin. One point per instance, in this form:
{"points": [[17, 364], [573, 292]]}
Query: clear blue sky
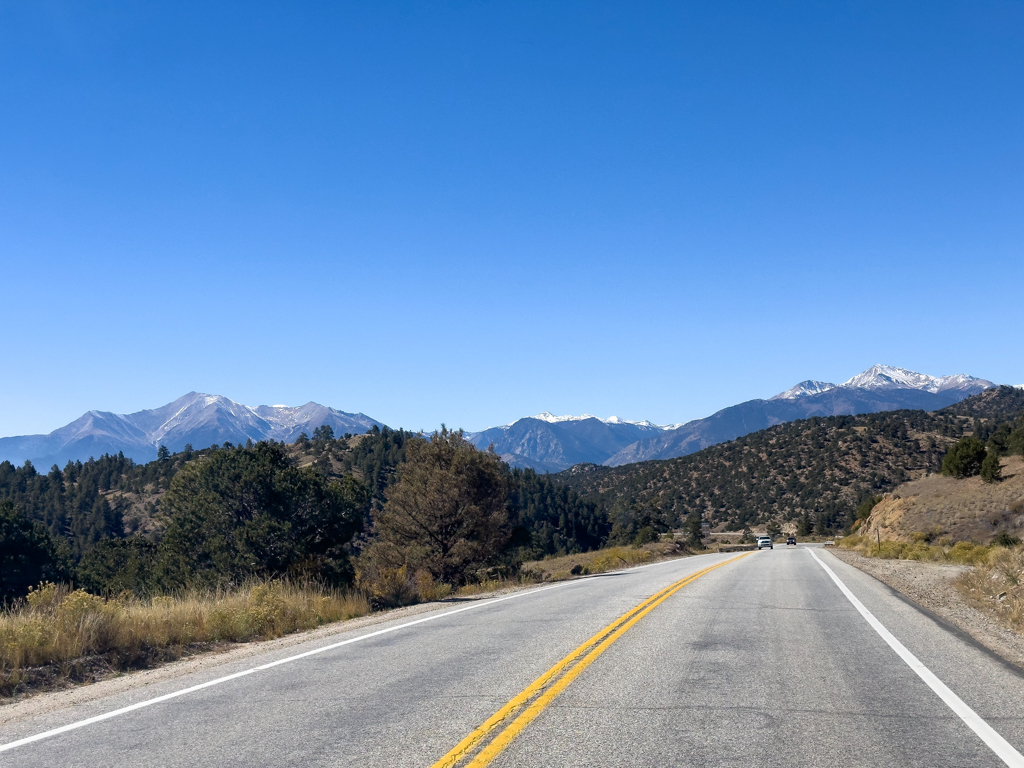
{"points": [[470, 212]]}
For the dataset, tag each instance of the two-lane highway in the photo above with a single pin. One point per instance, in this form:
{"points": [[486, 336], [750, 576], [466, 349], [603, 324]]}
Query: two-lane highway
{"points": [[779, 657]]}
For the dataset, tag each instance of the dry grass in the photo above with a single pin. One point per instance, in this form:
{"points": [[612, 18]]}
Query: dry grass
{"points": [[969, 509], [996, 586], [598, 561], [962, 552], [56, 628]]}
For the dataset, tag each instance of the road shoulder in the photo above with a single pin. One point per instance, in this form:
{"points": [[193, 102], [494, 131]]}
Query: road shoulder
{"points": [[931, 586], [33, 703]]}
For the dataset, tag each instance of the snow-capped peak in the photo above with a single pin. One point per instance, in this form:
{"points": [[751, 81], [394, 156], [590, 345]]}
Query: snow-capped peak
{"points": [[642, 423], [890, 377], [550, 418], [804, 388]]}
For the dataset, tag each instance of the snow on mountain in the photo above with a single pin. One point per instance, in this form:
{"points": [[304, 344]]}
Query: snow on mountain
{"points": [[804, 388], [884, 377], [546, 442], [890, 377], [550, 418], [880, 388], [195, 419], [960, 381]]}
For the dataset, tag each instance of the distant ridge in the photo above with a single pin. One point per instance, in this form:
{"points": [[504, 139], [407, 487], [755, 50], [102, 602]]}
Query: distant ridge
{"points": [[879, 388], [546, 442], [196, 418]]}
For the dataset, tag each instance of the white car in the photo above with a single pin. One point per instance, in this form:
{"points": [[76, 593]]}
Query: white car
{"points": [[764, 541]]}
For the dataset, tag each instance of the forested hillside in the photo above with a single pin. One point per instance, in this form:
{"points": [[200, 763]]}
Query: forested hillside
{"points": [[815, 470], [229, 512]]}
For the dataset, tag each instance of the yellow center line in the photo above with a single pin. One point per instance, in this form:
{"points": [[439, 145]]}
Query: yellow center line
{"points": [[582, 657]]}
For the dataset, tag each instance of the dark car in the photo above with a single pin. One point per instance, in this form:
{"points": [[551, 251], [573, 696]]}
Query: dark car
{"points": [[791, 540]]}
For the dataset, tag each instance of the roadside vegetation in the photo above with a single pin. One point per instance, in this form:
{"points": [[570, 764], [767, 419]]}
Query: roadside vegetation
{"points": [[920, 549], [994, 582], [599, 561], [997, 586], [57, 632]]}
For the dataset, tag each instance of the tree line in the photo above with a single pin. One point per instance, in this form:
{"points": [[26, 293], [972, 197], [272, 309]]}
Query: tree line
{"points": [[331, 509]]}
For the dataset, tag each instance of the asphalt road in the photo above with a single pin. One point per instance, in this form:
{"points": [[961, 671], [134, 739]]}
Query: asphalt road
{"points": [[763, 661]]}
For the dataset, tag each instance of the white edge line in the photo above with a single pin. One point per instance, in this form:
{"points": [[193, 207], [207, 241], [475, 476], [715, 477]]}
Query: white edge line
{"points": [[226, 678], [217, 681], [1003, 749]]}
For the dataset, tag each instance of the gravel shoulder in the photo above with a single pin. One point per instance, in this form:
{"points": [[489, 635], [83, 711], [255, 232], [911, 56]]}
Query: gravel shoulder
{"points": [[931, 585]]}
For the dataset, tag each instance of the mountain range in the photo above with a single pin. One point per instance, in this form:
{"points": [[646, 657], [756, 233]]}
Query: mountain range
{"points": [[552, 443], [545, 442], [197, 419]]}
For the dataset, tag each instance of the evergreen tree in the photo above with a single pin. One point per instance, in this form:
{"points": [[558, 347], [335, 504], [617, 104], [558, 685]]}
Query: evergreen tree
{"points": [[323, 434], [991, 470], [114, 566], [1015, 441], [244, 513], [446, 513], [546, 518], [28, 554], [692, 529], [964, 459]]}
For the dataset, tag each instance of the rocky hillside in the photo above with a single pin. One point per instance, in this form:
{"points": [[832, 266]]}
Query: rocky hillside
{"points": [[937, 507]]}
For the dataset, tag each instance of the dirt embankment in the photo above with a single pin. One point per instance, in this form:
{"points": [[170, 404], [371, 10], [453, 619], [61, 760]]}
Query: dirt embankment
{"points": [[962, 510], [933, 586]]}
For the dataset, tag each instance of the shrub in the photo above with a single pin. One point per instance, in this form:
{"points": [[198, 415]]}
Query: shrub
{"points": [[645, 535], [967, 553], [996, 585]]}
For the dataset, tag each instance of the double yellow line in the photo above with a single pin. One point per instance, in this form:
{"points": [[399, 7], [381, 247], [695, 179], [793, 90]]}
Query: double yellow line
{"points": [[541, 692]]}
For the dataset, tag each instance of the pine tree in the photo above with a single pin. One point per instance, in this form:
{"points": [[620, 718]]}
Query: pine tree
{"points": [[991, 470], [964, 459], [446, 514], [28, 554]]}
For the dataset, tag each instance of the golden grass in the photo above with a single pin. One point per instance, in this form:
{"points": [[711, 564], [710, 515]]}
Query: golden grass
{"points": [[965, 510], [962, 552], [597, 561], [56, 626], [996, 586]]}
